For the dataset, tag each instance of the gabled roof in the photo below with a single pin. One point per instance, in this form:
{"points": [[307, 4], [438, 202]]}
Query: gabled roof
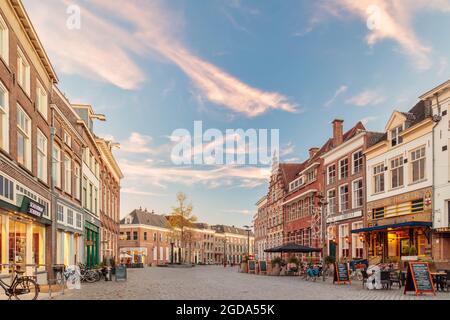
{"points": [[139, 216], [230, 229]]}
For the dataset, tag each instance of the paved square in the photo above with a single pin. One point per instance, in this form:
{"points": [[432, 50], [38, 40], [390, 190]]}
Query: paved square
{"points": [[216, 282]]}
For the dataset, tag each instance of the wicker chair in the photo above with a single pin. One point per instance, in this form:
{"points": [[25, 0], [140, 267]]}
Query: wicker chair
{"points": [[395, 278]]}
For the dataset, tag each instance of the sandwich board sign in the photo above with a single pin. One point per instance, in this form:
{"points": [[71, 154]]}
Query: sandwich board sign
{"points": [[341, 273], [418, 278], [251, 266], [262, 266]]}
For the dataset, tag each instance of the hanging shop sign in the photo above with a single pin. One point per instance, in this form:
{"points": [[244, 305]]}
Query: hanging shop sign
{"points": [[418, 278], [31, 207]]}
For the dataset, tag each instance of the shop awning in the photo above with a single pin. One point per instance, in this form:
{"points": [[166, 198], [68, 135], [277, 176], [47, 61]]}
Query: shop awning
{"points": [[395, 226], [293, 248]]}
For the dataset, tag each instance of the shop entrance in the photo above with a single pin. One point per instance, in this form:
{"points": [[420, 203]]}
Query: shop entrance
{"points": [[17, 242]]}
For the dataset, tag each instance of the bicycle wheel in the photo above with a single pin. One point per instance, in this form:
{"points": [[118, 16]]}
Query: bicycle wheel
{"points": [[25, 289], [91, 276]]}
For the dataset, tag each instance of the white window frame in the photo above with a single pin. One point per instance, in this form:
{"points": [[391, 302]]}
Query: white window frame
{"points": [[77, 175], [413, 161], [375, 175], [4, 41], [328, 173], [23, 70], [4, 119], [399, 167], [42, 151], [341, 210], [67, 139], [340, 169], [67, 174], [56, 166], [355, 196], [41, 100], [395, 136], [353, 162], [24, 129], [330, 204]]}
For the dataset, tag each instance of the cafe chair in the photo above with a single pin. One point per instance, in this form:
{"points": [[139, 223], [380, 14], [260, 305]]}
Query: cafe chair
{"points": [[365, 277], [395, 278], [385, 279]]}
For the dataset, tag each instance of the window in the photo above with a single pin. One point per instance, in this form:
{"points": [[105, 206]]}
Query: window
{"points": [[311, 175], [95, 209], [145, 236], [41, 156], [343, 198], [418, 164], [343, 169], [67, 174], [331, 202], [56, 166], [23, 138], [67, 139], [4, 41], [60, 213], [357, 243], [395, 136], [135, 235], [84, 195], [77, 176], [357, 162], [343, 240], [331, 174], [41, 100], [128, 235], [397, 172], [378, 178], [23, 72], [4, 118], [70, 217], [358, 193], [90, 197], [78, 220], [154, 237]]}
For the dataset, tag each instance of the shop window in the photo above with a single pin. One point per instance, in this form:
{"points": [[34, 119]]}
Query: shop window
{"points": [[344, 241], [70, 217], [17, 242], [79, 221], [60, 213], [4, 117], [38, 245]]}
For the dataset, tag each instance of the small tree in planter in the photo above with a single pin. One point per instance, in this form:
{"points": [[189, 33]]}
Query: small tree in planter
{"points": [[330, 260], [277, 263], [293, 263]]}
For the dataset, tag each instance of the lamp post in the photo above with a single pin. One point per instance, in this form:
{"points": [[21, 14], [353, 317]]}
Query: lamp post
{"points": [[248, 230], [323, 205], [224, 252], [171, 251]]}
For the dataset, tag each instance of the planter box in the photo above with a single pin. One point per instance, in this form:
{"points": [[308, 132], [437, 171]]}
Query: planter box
{"points": [[410, 258]]}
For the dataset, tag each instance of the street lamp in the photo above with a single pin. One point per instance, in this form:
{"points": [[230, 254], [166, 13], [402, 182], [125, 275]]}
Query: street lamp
{"points": [[248, 229], [224, 252], [323, 204], [171, 252]]}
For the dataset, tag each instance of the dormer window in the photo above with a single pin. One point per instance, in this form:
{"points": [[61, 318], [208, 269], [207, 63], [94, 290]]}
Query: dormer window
{"points": [[128, 220], [395, 136]]}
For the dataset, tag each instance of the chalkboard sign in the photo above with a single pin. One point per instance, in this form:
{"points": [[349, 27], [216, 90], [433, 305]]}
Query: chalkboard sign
{"points": [[121, 273], [418, 278], [251, 266], [262, 267], [341, 273]]}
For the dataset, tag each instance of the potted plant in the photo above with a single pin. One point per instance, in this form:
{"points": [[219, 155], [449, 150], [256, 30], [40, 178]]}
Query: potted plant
{"points": [[412, 254], [276, 264], [293, 263], [330, 260]]}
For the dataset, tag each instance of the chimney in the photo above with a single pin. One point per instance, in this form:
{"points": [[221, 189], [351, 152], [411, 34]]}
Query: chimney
{"points": [[312, 152], [338, 134]]}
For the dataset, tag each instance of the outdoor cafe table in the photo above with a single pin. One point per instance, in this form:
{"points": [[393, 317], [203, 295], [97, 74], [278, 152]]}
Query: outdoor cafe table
{"points": [[439, 278]]}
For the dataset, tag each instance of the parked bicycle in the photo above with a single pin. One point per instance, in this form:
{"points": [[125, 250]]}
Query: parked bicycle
{"points": [[88, 275], [21, 288]]}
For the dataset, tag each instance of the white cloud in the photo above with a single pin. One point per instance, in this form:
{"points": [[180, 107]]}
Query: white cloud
{"points": [[366, 120], [395, 22], [366, 98], [342, 89], [150, 28], [237, 211]]}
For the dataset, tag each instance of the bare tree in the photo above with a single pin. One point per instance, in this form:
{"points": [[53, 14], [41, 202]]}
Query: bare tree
{"points": [[182, 219]]}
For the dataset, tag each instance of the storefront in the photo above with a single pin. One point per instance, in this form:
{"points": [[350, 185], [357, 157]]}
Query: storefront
{"points": [[399, 227], [23, 234], [92, 240], [69, 244], [133, 255]]}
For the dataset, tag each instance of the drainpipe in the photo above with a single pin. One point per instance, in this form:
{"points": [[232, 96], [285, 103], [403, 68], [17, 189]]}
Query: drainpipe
{"points": [[436, 120], [53, 195]]}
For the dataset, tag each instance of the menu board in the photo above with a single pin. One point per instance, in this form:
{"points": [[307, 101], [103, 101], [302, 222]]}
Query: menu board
{"points": [[251, 266], [341, 273], [418, 278], [121, 273], [262, 267]]}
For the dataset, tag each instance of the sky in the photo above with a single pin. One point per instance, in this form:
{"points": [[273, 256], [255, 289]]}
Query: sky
{"points": [[154, 66]]}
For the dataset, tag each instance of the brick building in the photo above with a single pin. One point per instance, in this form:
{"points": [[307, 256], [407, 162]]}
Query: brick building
{"points": [[110, 176], [260, 222], [345, 189], [26, 79]]}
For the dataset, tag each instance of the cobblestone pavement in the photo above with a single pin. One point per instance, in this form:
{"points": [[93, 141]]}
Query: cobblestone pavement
{"points": [[215, 282]]}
